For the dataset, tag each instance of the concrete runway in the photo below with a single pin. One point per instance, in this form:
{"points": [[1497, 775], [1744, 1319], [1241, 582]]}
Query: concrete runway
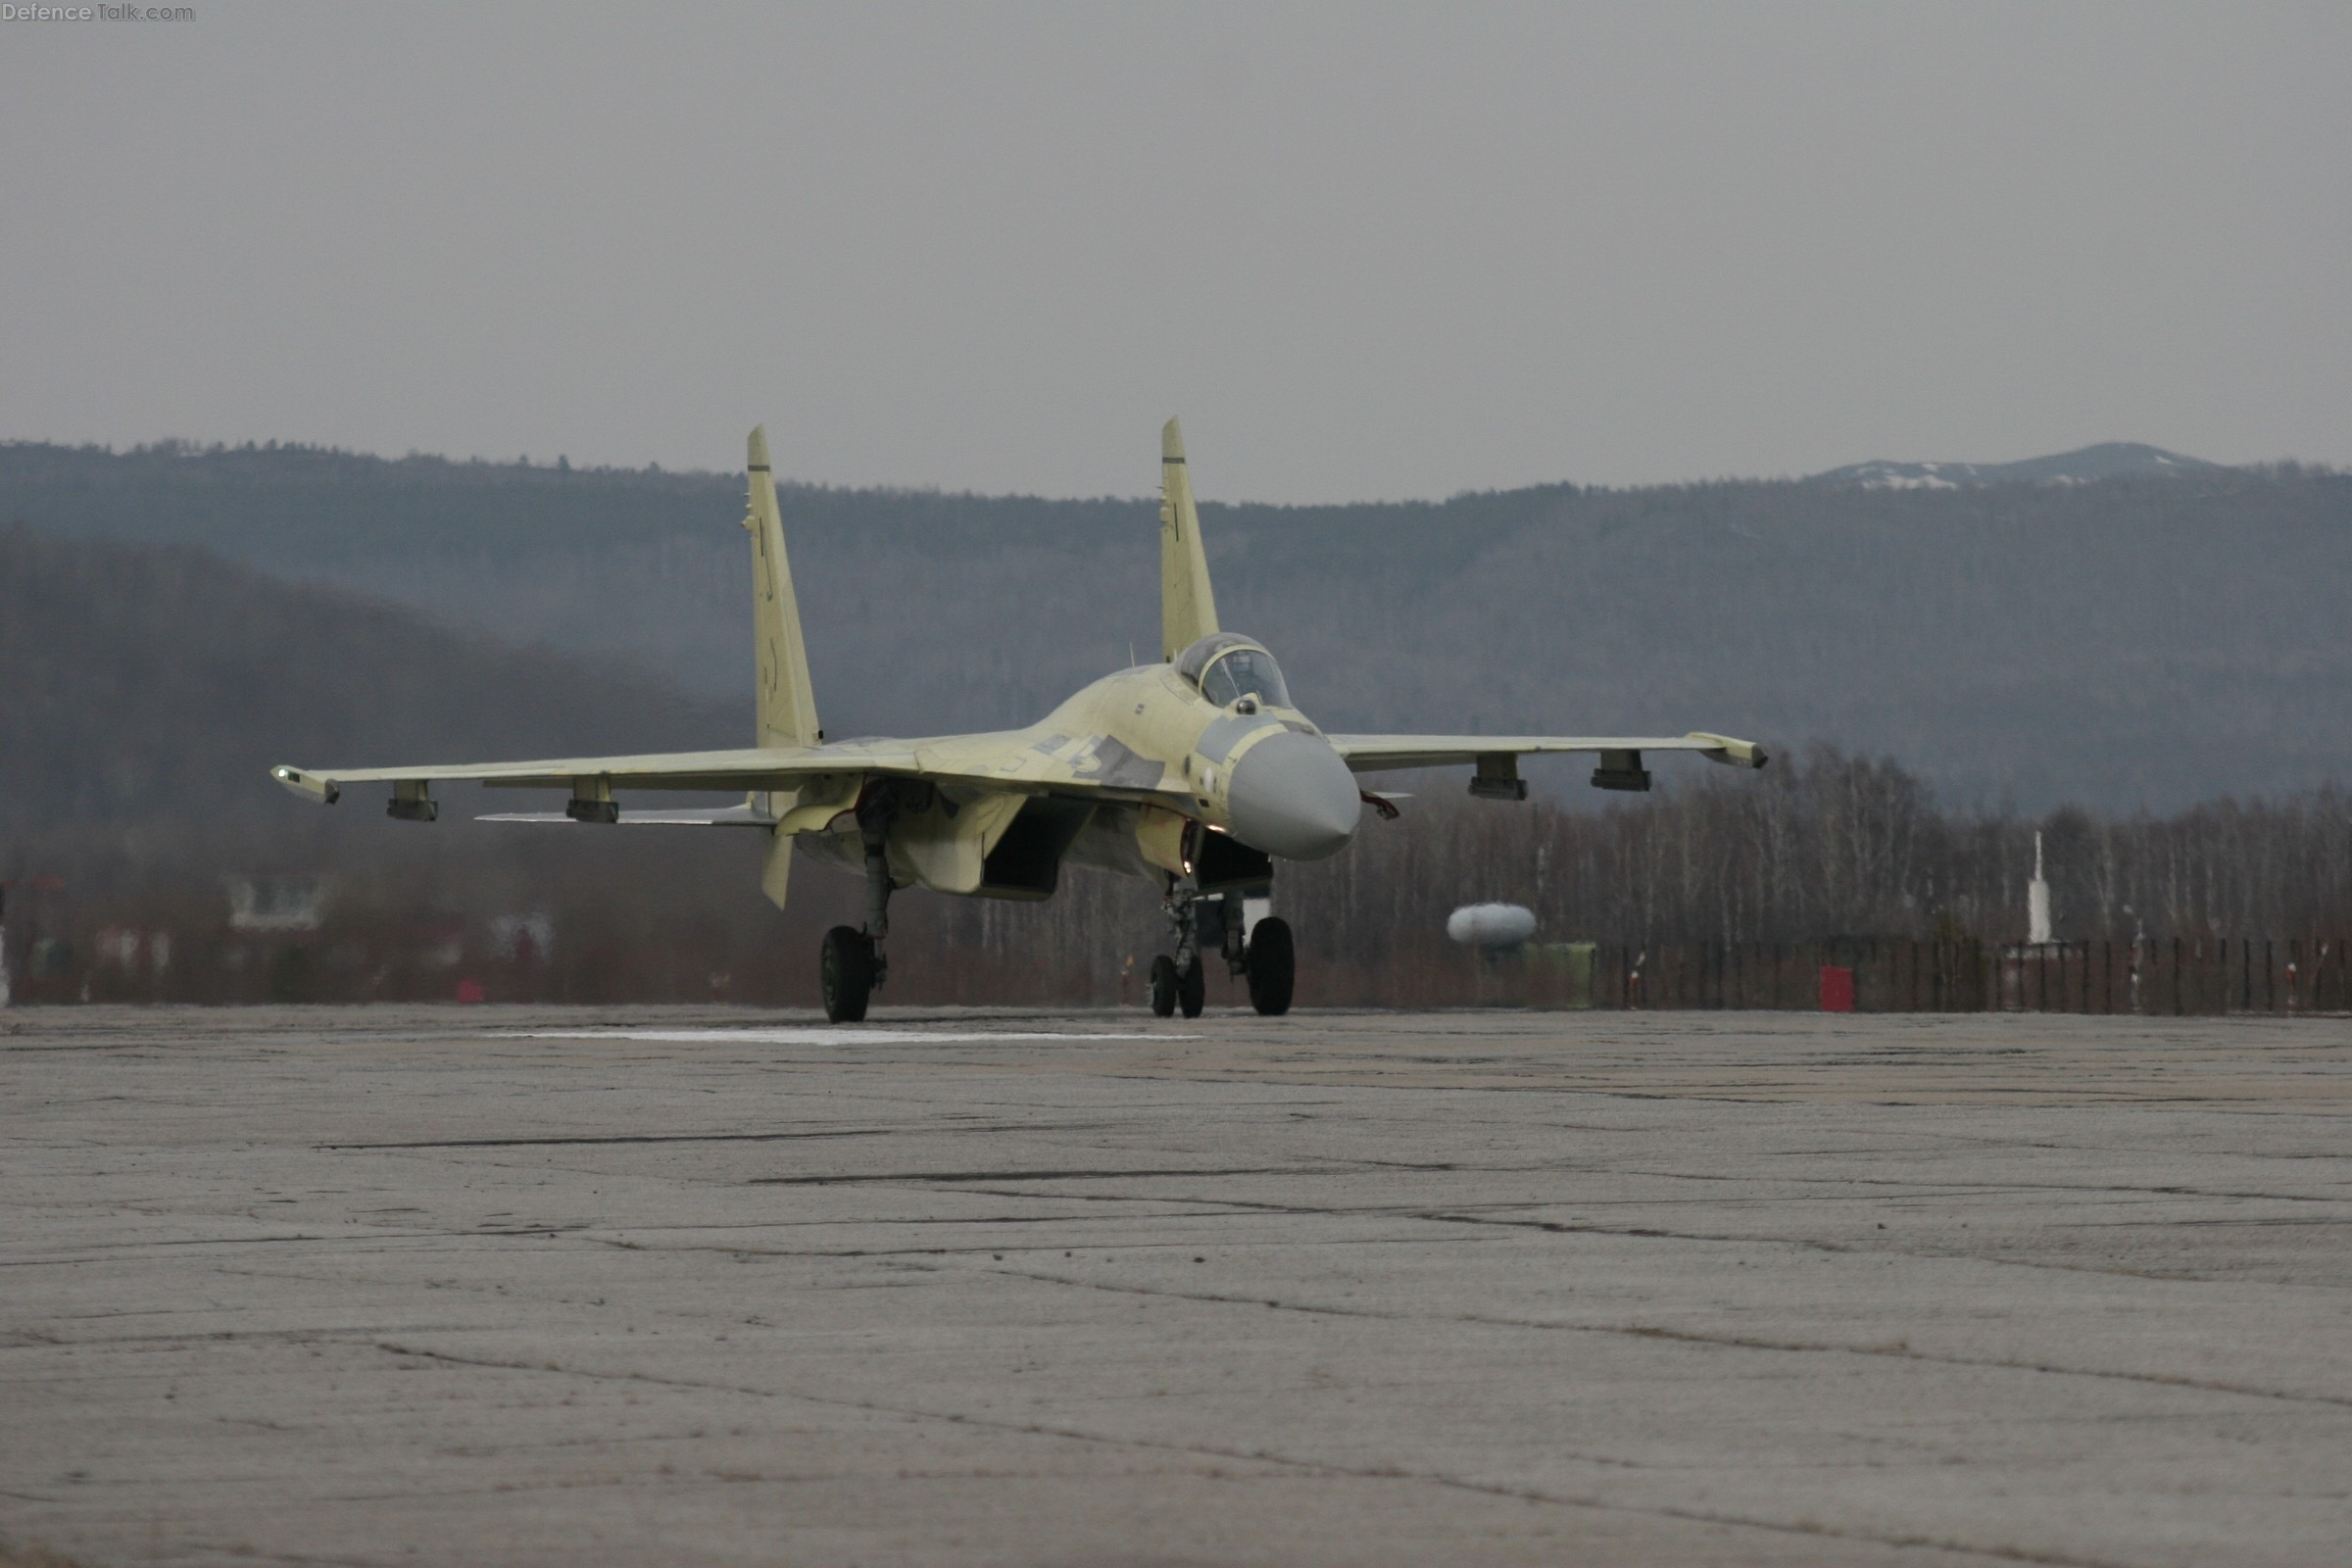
{"points": [[483, 1286]]}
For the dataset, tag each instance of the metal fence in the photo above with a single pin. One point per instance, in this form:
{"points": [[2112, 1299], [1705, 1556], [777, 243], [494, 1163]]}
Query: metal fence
{"points": [[2171, 976]]}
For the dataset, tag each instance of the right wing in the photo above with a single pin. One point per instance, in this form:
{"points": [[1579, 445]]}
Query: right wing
{"points": [[1013, 762], [745, 815], [759, 768]]}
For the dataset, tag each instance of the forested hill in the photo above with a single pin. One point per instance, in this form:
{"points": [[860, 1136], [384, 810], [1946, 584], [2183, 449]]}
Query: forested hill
{"points": [[148, 689], [2115, 643]]}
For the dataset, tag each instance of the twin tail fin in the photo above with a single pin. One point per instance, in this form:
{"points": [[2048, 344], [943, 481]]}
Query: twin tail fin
{"points": [[1188, 608]]}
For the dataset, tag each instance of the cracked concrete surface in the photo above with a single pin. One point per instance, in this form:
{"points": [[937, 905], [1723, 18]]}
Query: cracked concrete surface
{"points": [[526, 1286]]}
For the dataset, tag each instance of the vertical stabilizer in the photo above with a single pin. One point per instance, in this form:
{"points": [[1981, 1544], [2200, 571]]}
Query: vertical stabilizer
{"points": [[787, 707], [1188, 609], [785, 704]]}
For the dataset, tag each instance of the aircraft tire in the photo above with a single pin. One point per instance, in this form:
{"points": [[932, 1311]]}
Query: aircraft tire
{"points": [[1191, 989], [1273, 966], [846, 970], [1163, 986]]}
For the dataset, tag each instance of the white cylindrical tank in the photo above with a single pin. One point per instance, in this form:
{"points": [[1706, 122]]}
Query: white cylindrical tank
{"points": [[1491, 926]]}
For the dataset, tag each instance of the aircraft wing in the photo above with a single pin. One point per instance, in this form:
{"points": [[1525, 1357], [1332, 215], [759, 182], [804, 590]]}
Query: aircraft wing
{"points": [[1376, 754], [753, 767], [710, 816], [1088, 767]]}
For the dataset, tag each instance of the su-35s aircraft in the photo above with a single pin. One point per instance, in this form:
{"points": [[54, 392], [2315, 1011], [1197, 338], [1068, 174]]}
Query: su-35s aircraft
{"points": [[1195, 774]]}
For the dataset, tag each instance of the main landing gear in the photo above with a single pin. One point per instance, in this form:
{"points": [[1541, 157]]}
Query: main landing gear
{"points": [[1271, 965], [1263, 955], [847, 968], [853, 962]]}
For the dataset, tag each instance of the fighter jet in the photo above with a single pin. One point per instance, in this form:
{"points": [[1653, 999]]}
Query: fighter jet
{"points": [[1195, 774]]}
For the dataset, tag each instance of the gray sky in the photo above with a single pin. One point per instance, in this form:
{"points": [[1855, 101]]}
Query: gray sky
{"points": [[1367, 252]]}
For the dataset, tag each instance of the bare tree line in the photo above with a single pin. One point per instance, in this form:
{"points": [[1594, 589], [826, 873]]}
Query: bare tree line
{"points": [[1821, 850], [1828, 845]]}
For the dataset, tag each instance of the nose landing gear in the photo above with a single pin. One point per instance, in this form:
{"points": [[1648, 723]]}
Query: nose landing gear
{"points": [[1265, 954]]}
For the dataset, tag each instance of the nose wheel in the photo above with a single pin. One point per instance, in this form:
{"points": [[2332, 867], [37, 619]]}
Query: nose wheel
{"points": [[1173, 988]]}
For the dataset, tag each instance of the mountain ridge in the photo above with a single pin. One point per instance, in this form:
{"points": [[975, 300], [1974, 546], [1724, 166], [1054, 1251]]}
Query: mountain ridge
{"points": [[2110, 643]]}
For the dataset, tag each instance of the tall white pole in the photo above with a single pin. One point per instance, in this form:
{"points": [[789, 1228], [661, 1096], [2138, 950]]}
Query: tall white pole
{"points": [[2038, 900]]}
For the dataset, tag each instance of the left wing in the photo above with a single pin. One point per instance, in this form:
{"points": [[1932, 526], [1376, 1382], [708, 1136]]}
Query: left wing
{"points": [[1497, 755]]}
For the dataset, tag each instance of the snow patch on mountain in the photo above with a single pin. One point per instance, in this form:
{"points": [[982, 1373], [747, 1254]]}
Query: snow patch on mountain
{"points": [[2110, 460]]}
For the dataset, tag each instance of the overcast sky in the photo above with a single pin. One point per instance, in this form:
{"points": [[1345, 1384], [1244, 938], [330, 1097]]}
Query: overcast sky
{"points": [[1365, 252]]}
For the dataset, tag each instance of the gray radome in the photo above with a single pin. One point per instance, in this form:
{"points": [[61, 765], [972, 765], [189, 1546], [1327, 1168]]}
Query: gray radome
{"points": [[1491, 925]]}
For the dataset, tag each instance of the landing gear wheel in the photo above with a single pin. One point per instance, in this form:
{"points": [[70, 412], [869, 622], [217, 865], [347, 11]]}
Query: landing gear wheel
{"points": [[1272, 966], [845, 970], [1189, 990], [1163, 986]]}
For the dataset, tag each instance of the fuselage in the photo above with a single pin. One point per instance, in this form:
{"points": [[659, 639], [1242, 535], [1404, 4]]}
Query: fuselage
{"points": [[1250, 767]]}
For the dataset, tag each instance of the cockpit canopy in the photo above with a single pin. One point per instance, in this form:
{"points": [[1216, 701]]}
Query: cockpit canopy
{"points": [[1227, 666]]}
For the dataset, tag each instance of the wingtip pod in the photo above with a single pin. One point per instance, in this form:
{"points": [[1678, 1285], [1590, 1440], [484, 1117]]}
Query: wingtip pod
{"points": [[1736, 753], [1171, 442], [309, 786], [756, 449]]}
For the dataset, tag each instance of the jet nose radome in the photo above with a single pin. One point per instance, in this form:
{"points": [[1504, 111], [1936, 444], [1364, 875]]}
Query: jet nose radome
{"points": [[1292, 796]]}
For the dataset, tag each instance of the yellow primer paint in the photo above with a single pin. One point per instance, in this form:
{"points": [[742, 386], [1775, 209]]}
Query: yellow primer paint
{"points": [[786, 704], [1159, 832], [1188, 609]]}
